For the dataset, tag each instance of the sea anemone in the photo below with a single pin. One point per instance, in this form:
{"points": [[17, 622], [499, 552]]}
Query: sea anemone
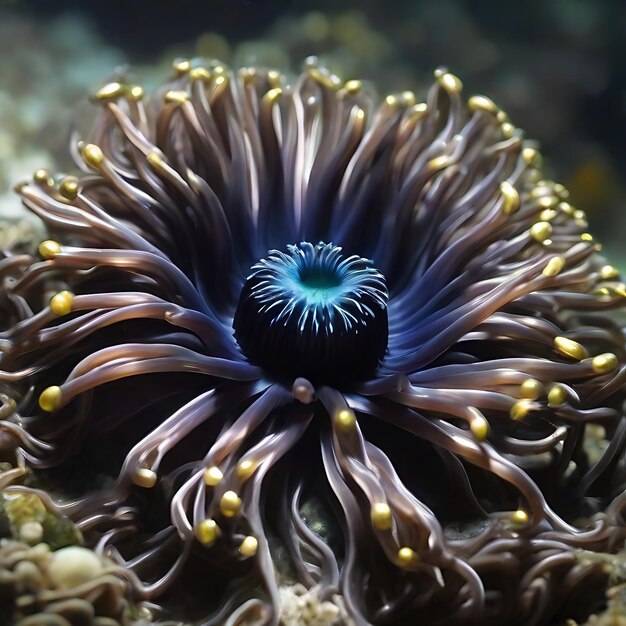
{"points": [[299, 338]]}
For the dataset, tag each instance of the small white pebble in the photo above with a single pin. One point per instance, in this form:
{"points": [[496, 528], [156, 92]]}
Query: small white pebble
{"points": [[73, 566], [31, 533]]}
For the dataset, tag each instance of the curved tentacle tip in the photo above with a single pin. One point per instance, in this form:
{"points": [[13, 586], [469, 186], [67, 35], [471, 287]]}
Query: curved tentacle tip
{"points": [[61, 303], [303, 390], [557, 395], [519, 518], [346, 420], [531, 389], [570, 348], [245, 469], [93, 155], [249, 546], [407, 557], [480, 427], [212, 476], [49, 249], [604, 363], [50, 398], [207, 532], [230, 504], [381, 516], [144, 477]]}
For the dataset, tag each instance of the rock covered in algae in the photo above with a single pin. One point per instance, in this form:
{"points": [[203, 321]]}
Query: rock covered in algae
{"points": [[29, 521], [46, 579], [300, 606], [39, 587]]}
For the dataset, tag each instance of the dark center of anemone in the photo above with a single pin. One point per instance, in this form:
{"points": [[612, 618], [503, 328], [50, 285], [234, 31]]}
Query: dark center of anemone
{"points": [[313, 312]]}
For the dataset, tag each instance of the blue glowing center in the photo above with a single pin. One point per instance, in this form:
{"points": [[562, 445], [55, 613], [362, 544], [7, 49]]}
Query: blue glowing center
{"points": [[313, 312]]}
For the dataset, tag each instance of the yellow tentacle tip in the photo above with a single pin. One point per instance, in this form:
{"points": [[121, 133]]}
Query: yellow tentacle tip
{"points": [[570, 348], [50, 398], [110, 91], [408, 98], [230, 504], [246, 468], [200, 73], [135, 93], [144, 477], [42, 177], [531, 157], [519, 518], [480, 428], [482, 103], [547, 203], [345, 419], [608, 272], [407, 556], [155, 159], [620, 290], [273, 95], [556, 396], [221, 80], [93, 155], [531, 389], [207, 532], [275, 78], [604, 363], [510, 198], [69, 187], [417, 112], [560, 190], [439, 162], [212, 476], [49, 249], [450, 82], [380, 515], [507, 129], [181, 66], [554, 266], [176, 96], [541, 231], [547, 215], [520, 409], [353, 86], [61, 303], [249, 546]]}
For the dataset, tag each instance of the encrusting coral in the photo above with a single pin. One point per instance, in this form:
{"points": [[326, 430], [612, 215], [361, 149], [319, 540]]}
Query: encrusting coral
{"points": [[62, 586], [277, 296]]}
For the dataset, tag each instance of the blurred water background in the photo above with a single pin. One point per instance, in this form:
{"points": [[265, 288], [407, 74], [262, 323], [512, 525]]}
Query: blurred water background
{"points": [[556, 67]]}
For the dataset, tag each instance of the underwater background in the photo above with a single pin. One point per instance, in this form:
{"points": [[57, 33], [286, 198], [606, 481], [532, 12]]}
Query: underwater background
{"points": [[556, 67]]}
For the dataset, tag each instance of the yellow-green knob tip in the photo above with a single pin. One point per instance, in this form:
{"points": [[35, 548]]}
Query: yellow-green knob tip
{"points": [[346, 419], [49, 249], [381, 516], [50, 398], [230, 504], [249, 546], [407, 556], [604, 363], [212, 476], [207, 532], [61, 303]]}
